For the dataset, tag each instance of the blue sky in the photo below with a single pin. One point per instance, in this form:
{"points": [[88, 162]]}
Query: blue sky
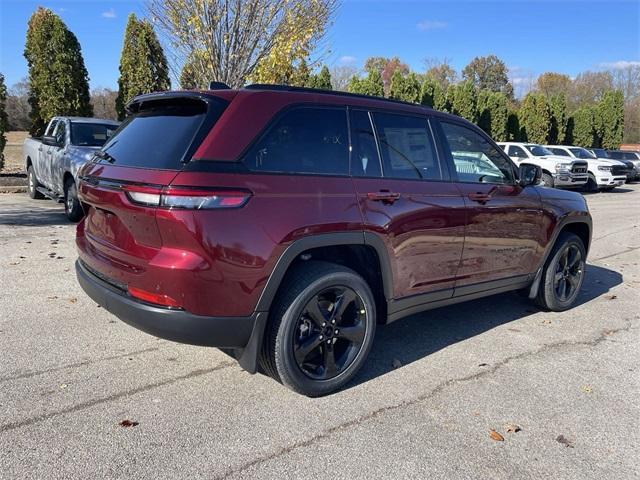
{"points": [[530, 36]]}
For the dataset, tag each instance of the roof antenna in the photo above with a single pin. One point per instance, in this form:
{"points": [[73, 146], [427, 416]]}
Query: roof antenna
{"points": [[219, 86]]}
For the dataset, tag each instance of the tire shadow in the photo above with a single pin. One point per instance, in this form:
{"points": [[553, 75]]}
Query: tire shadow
{"points": [[33, 217], [420, 335]]}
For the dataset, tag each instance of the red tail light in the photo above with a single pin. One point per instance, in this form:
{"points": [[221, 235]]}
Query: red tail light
{"points": [[186, 198], [155, 298]]}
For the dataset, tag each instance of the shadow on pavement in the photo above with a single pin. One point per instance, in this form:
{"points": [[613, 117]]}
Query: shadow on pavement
{"points": [[33, 217], [415, 337]]}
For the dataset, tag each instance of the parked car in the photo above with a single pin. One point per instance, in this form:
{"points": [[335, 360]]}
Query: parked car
{"points": [[557, 171], [52, 161], [632, 159], [604, 174], [282, 224]]}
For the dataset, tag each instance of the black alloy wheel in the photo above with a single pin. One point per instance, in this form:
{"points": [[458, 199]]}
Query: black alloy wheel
{"points": [[329, 333]]}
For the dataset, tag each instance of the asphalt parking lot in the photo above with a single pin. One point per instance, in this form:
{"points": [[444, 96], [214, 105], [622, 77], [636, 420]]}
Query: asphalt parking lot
{"points": [[435, 386]]}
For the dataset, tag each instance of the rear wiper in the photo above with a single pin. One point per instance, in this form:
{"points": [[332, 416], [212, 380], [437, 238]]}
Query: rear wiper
{"points": [[105, 156]]}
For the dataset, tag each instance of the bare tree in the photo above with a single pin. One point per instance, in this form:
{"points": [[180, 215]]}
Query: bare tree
{"points": [[18, 107], [627, 79], [225, 40], [340, 76], [104, 103], [441, 70]]}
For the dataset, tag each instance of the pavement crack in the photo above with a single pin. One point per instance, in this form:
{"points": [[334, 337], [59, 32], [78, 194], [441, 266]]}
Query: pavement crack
{"points": [[616, 254], [427, 395], [91, 403], [74, 365]]}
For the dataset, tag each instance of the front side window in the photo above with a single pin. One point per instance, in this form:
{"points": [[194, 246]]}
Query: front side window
{"points": [[304, 140], [51, 128], [538, 150], [581, 153], [60, 133], [475, 158], [560, 151], [365, 161], [406, 147], [517, 152]]}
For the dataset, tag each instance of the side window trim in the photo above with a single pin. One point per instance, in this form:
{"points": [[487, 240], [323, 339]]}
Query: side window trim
{"points": [[377, 141], [501, 152]]}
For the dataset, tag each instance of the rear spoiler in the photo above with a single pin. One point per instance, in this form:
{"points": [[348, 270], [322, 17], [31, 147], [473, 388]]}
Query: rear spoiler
{"points": [[137, 103]]}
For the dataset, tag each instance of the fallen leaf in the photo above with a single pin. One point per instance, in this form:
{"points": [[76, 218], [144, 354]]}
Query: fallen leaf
{"points": [[483, 364], [496, 436], [52, 297], [73, 299], [512, 428], [14, 263], [586, 388], [128, 423], [607, 332], [611, 297], [396, 363], [565, 441], [546, 322], [514, 330]]}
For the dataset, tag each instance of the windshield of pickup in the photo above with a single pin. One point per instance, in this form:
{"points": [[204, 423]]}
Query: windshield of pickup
{"points": [[538, 150], [91, 134], [581, 153]]}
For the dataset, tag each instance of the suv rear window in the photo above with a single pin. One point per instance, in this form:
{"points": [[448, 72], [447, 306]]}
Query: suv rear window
{"points": [[304, 140], [163, 134]]}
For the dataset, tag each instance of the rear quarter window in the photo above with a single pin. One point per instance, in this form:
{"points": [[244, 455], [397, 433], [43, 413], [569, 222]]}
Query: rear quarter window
{"points": [[312, 140]]}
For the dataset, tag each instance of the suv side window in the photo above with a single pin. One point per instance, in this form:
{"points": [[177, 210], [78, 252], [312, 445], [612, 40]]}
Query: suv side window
{"points": [[559, 151], [515, 151], [365, 161], [304, 140], [407, 147], [475, 158]]}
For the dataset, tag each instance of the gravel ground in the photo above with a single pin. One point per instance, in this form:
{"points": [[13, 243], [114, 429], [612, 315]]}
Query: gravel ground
{"points": [[435, 385]]}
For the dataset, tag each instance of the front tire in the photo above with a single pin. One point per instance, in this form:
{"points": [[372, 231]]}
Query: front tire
{"points": [[321, 328], [72, 206], [591, 186], [33, 184], [563, 274], [547, 180]]}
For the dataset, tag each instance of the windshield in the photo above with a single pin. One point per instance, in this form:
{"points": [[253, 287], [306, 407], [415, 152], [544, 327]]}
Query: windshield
{"points": [[581, 153], [91, 134], [600, 152], [538, 150]]}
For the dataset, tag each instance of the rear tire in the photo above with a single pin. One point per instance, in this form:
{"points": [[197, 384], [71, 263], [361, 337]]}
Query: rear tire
{"points": [[72, 206], [33, 184], [547, 180], [320, 330], [563, 274]]}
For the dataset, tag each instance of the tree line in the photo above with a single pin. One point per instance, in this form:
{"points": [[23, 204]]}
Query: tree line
{"points": [[273, 41]]}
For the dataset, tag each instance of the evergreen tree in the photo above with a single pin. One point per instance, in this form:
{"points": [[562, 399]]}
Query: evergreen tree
{"points": [[493, 114], [535, 118], [370, 85], [322, 80], [584, 131], [143, 66], [610, 111], [397, 87], [464, 102], [513, 126], [4, 122], [430, 91], [58, 79], [558, 109]]}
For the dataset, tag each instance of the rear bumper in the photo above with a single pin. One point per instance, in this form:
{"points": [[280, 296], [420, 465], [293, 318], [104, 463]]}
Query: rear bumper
{"points": [[175, 325]]}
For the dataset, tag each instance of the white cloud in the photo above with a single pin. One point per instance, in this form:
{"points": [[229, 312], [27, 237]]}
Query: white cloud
{"points": [[425, 25], [347, 60], [620, 64], [111, 13]]}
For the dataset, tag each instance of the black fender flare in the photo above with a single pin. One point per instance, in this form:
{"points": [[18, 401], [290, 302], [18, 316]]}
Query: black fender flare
{"points": [[248, 356], [581, 217]]}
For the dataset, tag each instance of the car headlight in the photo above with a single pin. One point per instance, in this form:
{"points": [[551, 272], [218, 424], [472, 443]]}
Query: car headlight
{"points": [[603, 168], [562, 168]]}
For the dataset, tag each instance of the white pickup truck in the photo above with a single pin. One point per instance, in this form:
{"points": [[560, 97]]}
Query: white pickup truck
{"points": [[604, 173], [557, 171], [53, 160]]}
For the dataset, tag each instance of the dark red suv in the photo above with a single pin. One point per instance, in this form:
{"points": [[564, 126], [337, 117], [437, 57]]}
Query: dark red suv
{"points": [[282, 224]]}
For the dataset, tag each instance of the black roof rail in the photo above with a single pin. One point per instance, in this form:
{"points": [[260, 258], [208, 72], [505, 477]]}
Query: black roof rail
{"points": [[289, 88], [219, 86]]}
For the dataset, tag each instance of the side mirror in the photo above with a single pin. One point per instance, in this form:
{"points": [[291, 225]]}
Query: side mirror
{"points": [[530, 174], [50, 140]]}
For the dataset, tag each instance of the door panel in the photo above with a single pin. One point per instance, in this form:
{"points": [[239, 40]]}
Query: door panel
{"points": [[423, 230], [504, 234]]}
